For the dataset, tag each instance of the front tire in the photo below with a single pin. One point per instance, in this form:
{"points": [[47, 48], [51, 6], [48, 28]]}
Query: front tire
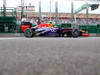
{"points": [[75, 33]]}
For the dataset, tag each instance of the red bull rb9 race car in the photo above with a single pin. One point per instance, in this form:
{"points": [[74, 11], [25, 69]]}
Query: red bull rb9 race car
{"points": [[51, 31]]}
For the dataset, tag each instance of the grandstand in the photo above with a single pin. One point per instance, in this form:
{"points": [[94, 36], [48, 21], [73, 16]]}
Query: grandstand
{"points": [[65, 17]]}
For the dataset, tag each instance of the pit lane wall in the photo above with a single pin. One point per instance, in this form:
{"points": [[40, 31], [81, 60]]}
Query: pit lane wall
{"points": [[7, 24], [10, 26]]}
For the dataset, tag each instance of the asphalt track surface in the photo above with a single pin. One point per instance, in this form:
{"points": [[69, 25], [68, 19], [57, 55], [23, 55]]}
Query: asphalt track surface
{"points": [[49, 56]]}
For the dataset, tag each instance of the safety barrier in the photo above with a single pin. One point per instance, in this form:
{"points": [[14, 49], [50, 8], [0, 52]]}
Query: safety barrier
{"points": [[7, 24]]}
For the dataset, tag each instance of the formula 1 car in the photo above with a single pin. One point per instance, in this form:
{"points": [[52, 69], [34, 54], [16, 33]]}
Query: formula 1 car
{"points": [[46, 30]]}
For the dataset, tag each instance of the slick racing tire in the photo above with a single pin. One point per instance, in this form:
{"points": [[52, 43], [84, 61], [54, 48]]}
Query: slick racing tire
{"points": [[28, 33], [75, 33]]}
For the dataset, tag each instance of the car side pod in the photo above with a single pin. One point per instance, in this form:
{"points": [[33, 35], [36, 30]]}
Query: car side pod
{"points": [[28, 33]]}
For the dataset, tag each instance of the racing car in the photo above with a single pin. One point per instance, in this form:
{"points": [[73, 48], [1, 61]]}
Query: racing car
{"points": [[51, 31]]}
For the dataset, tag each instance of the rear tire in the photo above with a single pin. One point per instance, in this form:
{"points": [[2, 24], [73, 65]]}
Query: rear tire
{"points": [[28, 33]]}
